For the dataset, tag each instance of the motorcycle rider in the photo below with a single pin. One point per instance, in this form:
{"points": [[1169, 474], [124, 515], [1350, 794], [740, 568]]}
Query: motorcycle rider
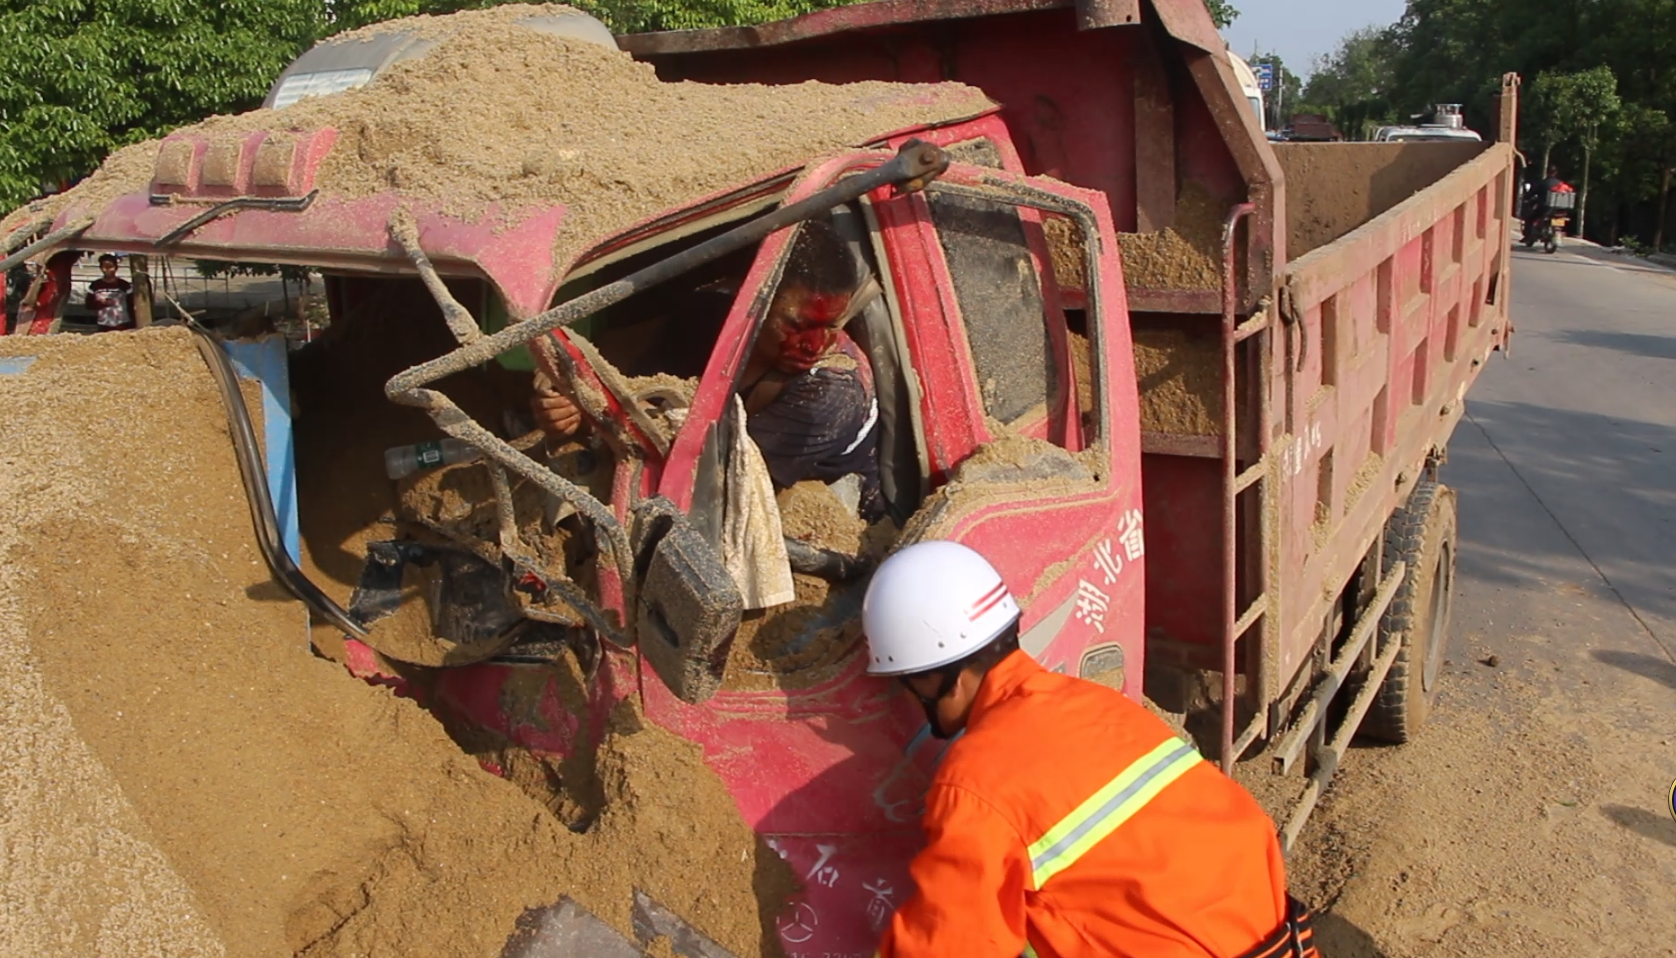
{"points": [[1537, 212]]}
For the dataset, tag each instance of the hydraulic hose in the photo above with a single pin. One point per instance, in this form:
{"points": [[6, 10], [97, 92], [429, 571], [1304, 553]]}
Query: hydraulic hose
{"points": [[255, 478]]}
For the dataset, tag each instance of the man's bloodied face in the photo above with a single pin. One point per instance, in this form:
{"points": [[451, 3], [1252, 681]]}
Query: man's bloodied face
{"points": [[801, 329]]}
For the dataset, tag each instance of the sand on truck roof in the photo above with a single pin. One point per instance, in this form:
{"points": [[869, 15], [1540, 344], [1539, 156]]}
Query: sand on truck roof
{"points": [[500, 114], [180, 776]]}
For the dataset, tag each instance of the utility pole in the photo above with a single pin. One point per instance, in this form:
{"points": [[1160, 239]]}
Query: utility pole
{"points": [[1280, 96], [140, 273]]}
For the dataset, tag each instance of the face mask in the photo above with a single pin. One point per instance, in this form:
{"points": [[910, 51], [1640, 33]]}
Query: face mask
{"points": [[930, 704]]}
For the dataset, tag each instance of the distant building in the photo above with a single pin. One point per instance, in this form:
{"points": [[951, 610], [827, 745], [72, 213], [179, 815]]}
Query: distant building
{"points": [[1312, 127]]}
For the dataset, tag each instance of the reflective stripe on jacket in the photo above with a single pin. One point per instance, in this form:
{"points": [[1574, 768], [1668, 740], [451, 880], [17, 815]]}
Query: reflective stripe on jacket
{"points": [[1069, 822]]}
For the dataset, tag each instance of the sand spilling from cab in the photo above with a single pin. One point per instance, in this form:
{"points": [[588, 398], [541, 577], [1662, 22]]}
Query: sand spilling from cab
{"points": [[184, 777]]}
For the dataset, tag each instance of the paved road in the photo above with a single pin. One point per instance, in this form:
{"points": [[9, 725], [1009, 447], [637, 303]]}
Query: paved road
{"points": [[1531, 817]]}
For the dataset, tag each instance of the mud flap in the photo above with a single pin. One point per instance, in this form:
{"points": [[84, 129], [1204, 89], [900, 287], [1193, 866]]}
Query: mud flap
{"points": [[688, 607], [567, 930]]}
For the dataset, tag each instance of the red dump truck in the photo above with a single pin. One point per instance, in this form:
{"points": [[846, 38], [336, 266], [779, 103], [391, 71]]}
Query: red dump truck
{"points": [[1187, 389]]}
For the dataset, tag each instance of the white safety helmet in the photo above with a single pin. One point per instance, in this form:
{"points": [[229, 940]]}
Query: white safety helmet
{"points": [[932, 604]]}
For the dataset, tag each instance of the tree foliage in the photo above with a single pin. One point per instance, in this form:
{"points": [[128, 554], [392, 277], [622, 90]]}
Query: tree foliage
{"points": [[1599, 89], [1285, 98], [1563, 105], [1222, 13], [638, 16], [1354, 84], [81, 77]]}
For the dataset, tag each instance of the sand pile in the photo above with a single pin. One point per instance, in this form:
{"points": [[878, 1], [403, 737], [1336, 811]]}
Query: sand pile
{"points": [[1179, 372], [499, 114], [182, 777], [1187, 255], [811, 512], [1166, 260]]}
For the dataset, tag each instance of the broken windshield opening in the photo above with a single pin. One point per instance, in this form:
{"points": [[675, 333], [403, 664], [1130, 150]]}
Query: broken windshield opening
{"points": [[671, 328]]}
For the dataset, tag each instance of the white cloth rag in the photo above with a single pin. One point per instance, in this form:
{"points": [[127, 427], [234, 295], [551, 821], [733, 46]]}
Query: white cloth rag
{"points": [[753, 545]]}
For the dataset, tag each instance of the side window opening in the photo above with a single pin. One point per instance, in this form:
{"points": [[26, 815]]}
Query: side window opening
{"points": [[1066, 257], [829, 434], [669, 329], [349, 506], [1026, 354]]}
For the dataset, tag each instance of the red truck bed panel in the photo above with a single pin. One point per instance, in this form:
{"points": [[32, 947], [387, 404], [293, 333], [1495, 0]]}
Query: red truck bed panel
{"points": [[1126, 97]]}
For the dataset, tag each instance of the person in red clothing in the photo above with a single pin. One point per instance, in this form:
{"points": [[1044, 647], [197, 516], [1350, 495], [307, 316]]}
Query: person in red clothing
{"points": [[1064, 821]]}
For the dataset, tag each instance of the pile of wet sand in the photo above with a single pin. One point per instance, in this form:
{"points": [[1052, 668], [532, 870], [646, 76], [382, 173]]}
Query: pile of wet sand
{"points": [[184, 777], [1186, 256], [498, 116]]}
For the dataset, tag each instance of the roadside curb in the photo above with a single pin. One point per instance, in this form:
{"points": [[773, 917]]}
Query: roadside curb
{"points": [[1663, 261]]}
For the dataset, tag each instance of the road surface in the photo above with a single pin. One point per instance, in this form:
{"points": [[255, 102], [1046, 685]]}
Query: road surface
{"points": [[1531, 817]]}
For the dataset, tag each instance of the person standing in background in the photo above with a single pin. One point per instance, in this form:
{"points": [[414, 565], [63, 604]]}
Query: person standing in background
{"points": [[111, 298]]}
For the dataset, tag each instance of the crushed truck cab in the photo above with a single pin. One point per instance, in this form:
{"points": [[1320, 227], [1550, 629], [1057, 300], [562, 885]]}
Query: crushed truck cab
{"points": [[1018, 438], [1186, 389]]}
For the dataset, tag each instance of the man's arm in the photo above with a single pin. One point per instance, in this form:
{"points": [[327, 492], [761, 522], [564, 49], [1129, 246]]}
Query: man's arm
{"points": [[971, 879], [555, 414]]}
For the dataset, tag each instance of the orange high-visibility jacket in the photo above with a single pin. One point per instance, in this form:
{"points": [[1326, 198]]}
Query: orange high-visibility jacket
{"points": [[1069, 822]]}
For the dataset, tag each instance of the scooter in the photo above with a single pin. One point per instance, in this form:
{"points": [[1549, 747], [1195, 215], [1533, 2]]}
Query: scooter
{"points": [[1546, 224]]}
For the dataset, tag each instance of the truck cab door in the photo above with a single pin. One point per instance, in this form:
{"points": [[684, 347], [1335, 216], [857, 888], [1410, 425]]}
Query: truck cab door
{"points": [[1012, 303], [1008, 411]]}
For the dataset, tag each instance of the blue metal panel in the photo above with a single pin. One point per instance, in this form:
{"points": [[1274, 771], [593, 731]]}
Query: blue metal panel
{"points": [[265, 361]]}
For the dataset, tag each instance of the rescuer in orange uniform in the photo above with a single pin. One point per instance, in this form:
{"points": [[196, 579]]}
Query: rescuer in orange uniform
{"points": [[1065, 821]]}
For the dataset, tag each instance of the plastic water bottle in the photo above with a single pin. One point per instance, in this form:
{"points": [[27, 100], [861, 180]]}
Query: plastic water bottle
{"points": [[404, 461]]}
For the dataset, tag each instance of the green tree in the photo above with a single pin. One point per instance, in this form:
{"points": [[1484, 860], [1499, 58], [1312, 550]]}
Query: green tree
{"points": [[1283, 99], [1222, 13], [1455, 51], [1447, 49], [79, 78], [1553, 112], [640, 16], [1644, 141], [1353, 85], [1577, 103]]}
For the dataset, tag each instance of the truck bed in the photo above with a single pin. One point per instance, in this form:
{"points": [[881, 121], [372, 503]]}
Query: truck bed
{"points": [[1339, 297], [1387, 327]]}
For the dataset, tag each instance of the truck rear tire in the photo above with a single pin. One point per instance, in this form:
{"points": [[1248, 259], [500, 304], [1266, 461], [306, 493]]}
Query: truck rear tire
{"points": [[1422, 534]]}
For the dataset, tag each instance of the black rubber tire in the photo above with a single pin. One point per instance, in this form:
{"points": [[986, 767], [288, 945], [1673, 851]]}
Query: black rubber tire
{"points": [[1422, 534]]}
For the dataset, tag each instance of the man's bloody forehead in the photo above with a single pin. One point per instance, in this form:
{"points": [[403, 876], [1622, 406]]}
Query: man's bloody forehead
{"points": [[823, 307]]}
